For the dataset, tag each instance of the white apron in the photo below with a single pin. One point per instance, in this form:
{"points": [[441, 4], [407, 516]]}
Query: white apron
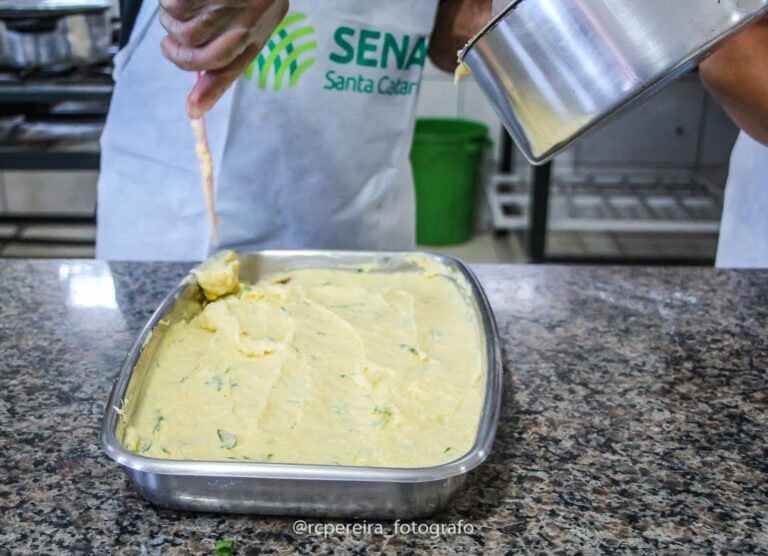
{"points": [[744, 230], [310, 146]]}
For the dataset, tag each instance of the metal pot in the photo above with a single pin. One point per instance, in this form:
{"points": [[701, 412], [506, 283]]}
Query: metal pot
{"points": [[43, 34], [557, 69]]}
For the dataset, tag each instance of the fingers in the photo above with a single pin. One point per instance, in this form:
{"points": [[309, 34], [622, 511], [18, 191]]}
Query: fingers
{"points": [[210, 86], [214, 55], [183, 10], [199, 30], [218, 35]]}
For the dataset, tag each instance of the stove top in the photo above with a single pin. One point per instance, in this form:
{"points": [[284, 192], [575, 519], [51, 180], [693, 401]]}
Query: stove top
{"points": [[37, 8]]}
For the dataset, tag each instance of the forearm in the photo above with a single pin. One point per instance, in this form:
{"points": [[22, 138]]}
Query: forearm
{"points": [[737, 76], [457, 22]]}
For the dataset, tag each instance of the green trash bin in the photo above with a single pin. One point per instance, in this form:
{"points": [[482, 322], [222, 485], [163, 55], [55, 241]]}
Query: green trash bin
{"points": [[447, 158]]}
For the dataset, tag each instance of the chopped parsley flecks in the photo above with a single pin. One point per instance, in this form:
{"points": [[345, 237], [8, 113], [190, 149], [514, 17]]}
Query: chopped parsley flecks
{"points": [[243, 291], [340, 408], [217, 382], [158, 423], [435, 335], [384, 414], [348, 305], [228, 440], [145, 447]]}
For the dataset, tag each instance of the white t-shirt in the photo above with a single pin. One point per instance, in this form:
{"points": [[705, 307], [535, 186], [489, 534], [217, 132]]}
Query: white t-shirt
{"points": [[744, 230]]}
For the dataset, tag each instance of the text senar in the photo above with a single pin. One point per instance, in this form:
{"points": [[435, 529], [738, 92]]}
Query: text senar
{"points": [[371, 49]]}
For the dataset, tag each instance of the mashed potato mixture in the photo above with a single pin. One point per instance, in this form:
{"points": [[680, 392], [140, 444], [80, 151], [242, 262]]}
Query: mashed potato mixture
{"points": [[321, 366]]}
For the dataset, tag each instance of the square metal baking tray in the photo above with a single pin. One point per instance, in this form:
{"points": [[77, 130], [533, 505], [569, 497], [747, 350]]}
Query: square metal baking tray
{"points": [[291, 489]]}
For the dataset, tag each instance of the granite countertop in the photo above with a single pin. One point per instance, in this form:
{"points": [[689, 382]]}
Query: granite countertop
{"points": [[635, 418]]}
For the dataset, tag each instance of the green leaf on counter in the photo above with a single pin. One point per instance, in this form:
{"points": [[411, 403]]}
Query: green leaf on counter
{"points": [[224, 548], [228, 440]]}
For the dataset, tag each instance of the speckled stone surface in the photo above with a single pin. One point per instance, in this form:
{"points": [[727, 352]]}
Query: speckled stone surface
{"points": [[635, 419]]}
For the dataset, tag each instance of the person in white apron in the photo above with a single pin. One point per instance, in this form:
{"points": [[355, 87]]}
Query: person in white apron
{"points": [[744, 229], [736, 75], [310, 146]]}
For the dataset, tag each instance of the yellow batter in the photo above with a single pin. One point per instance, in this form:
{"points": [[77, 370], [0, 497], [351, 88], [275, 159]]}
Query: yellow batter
{"points": [[462, 72], [327, 366]]}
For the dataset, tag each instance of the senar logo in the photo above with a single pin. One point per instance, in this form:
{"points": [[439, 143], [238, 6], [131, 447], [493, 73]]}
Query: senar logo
{"points": [[284, 55], [377, 49], [376, 62]]}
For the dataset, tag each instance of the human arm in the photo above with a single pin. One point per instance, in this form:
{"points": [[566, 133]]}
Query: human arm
{"points": [[457, 22], [737, 76], [219, 38]]}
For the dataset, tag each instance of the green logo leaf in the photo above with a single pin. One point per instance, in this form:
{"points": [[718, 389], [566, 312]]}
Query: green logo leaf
{"points": [[286, 56]]}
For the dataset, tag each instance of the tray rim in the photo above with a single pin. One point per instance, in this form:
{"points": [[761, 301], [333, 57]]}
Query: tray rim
{"points": [[478, 453]]}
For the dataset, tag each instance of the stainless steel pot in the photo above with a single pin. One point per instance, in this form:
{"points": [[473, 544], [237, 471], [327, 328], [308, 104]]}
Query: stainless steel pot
{"points": [[557, 69], [54, 33]]}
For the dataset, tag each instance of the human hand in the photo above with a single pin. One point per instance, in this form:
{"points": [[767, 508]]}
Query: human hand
{"points": [[218, 38], [737, 75], [457, 22]]}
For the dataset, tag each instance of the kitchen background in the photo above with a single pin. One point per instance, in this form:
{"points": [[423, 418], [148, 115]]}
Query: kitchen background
{"points": [[648, 188]]}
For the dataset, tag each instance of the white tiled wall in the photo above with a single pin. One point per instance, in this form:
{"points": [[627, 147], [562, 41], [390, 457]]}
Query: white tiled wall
{"points": [[440, 97], [680, 127]]}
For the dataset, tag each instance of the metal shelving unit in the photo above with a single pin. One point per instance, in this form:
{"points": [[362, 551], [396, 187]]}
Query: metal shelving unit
{"points": [[540, 200], [614, 202], [36, 94]]}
